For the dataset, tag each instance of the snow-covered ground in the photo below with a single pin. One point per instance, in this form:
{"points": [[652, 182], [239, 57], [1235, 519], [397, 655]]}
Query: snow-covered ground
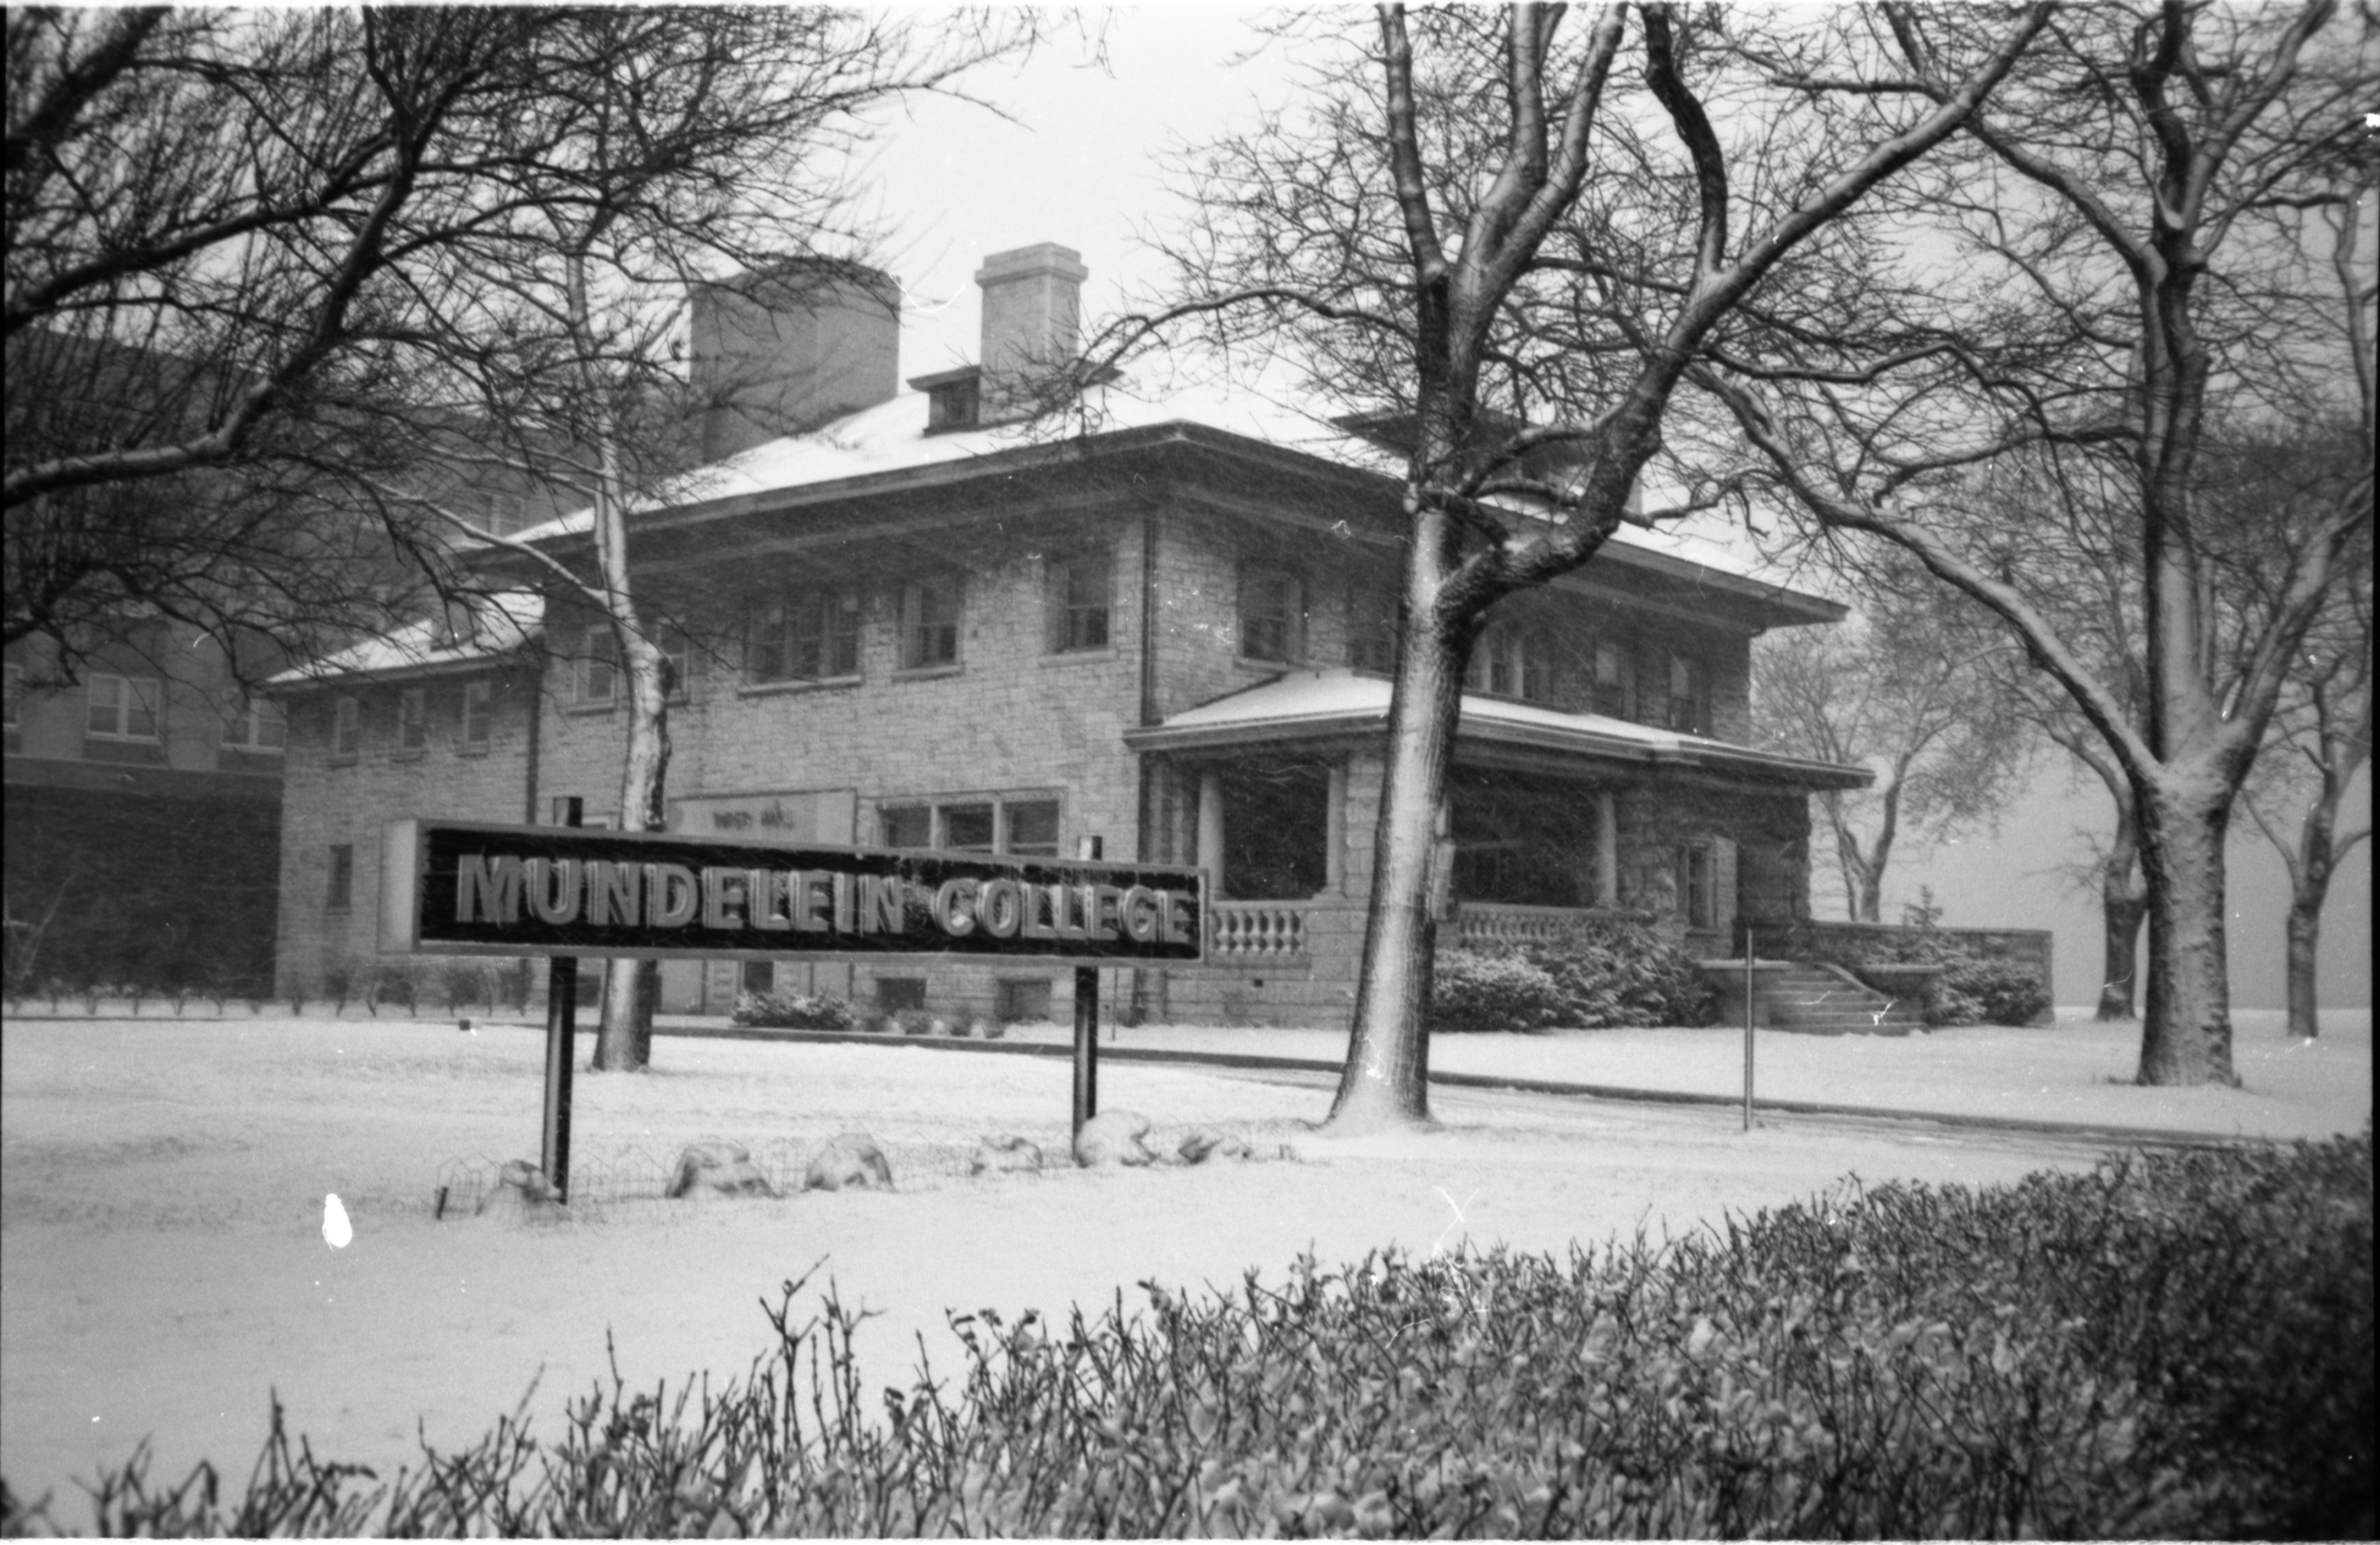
{"points": [[163, 1268]]}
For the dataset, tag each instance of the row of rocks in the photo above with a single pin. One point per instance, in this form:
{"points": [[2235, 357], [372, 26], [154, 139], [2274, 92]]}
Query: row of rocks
{"points": [[855, 1161]]}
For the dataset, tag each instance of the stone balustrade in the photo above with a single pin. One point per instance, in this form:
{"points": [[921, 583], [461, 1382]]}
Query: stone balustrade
{"points": [[1488, 925], [1248, 931]]}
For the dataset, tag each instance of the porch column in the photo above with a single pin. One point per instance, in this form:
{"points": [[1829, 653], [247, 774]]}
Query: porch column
{"points": [[1210, 828], [1606, 848], [1334, 853]]}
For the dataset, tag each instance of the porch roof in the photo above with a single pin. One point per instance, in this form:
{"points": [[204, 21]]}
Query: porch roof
{"points": [[1304, 706]]}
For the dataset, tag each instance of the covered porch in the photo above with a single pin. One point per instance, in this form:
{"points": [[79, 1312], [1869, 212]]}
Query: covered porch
{"points": [[1551, 818]]}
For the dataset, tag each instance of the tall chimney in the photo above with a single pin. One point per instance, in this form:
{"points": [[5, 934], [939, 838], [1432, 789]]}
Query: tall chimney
{"points": [[782, 351], [1032, 299]]}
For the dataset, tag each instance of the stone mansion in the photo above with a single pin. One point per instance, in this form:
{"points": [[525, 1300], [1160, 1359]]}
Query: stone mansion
{"points": [[917, 622]]}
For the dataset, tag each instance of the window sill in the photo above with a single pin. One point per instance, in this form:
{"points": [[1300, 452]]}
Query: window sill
{"points": [[344, 759], [775, 688], [1108, 655], [590, 710], [410, 753], [1263, 668], [928, 673], [472, 750]]}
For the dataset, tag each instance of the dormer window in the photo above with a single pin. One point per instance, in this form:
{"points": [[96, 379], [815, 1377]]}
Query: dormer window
{"points": [[953, 398]]}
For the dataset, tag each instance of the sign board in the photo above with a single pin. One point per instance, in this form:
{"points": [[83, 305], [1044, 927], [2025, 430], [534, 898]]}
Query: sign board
{"points": [[467, 887]]}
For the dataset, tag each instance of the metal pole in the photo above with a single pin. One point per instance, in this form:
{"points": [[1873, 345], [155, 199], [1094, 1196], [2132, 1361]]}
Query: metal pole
{"points": [[1087, 1019], [1748, 1027], [561, 1033]]}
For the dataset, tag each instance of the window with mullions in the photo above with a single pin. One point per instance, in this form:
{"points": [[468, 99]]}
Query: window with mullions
{"points": [[262, 725], [1610, 696], [121, 708], [599, 664], [1372, 631], [1511, 662], [479, 715], [1697, 886], [346, 727], [1081, 592], [808, 635], [413, 718], [1272, 615], [930, 623], [1024, 827], [1689, 695]]}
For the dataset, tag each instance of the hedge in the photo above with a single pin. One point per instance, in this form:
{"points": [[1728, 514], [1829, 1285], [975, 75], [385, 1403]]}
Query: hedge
{"points": [[2172, 1343]]}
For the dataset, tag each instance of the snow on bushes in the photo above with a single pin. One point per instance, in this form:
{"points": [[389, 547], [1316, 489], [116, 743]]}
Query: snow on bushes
{"points": [[1598, 975], [792, 1011]]}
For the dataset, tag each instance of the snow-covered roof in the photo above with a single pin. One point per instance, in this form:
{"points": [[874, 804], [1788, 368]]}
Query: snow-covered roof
{"points": [[501, 623], [891, 438], [1310, 705]]}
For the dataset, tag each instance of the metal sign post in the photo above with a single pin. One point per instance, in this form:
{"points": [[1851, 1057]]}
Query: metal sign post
{"points": [[1748, 1027], [561, 1038], [1087, 1019]]}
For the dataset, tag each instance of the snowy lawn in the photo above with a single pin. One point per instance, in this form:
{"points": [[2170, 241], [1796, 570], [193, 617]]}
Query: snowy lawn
{"points": [[163, 1265]]}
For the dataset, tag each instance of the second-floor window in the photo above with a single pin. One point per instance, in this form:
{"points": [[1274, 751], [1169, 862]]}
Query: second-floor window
{"points": [[1272, 615], [413, 718], [479, 715], [1610, 693], [1372, 631], [1689, 695], [807, 635], [261, 725], [599, 664], [930, 623], [1513, 662], [1080, 587], [122, 707], [346, 727]]}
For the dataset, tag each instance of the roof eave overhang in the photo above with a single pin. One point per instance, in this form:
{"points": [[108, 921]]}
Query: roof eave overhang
{"points": [[1371, 723], [315, 679], [1785, 607]]}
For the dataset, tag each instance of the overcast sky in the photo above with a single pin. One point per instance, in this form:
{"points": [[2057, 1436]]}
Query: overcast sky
{"points": [[1079, 162]]}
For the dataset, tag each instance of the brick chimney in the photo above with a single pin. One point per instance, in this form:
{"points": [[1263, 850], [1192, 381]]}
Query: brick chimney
{"points": [[1032, 301], [782, 351]]}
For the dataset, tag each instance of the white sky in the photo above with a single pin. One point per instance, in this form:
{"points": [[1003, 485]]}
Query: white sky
{"points": [[1078, 161]]}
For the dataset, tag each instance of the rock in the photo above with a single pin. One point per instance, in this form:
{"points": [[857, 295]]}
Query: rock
{"points": [[521, 1192], [851, 1161], [1001, 1155], [1112, 1137], [1203, 1145], [718, 1169]]}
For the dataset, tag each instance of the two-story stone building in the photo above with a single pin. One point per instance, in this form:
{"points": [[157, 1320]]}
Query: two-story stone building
{"points": [[1168, 627]]}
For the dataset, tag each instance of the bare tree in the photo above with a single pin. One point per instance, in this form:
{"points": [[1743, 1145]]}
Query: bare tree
{"points": [[394, 284], [1906, 691], [2326, 742], [1477, 231], [2149, 241]]}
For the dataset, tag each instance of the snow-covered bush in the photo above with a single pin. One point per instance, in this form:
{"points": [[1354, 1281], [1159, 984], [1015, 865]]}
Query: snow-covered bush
{"points": [[1471, 991], [783, 1011], [1995, 992]]}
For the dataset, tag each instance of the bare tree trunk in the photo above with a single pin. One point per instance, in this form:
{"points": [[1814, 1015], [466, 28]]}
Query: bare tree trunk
{"points": [[2304, 949], [2123, 907], [1386, 1079], [1869, 906], [2186, 1026]]}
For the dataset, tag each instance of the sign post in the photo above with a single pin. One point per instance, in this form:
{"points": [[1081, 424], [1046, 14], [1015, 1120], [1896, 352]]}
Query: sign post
{"points": [[560, 1046], [1748, 1027], [1086, 1020]]}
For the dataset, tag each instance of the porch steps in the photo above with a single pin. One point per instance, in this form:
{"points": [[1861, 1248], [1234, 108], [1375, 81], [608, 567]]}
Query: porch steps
{"points": [[1813, 999]]}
